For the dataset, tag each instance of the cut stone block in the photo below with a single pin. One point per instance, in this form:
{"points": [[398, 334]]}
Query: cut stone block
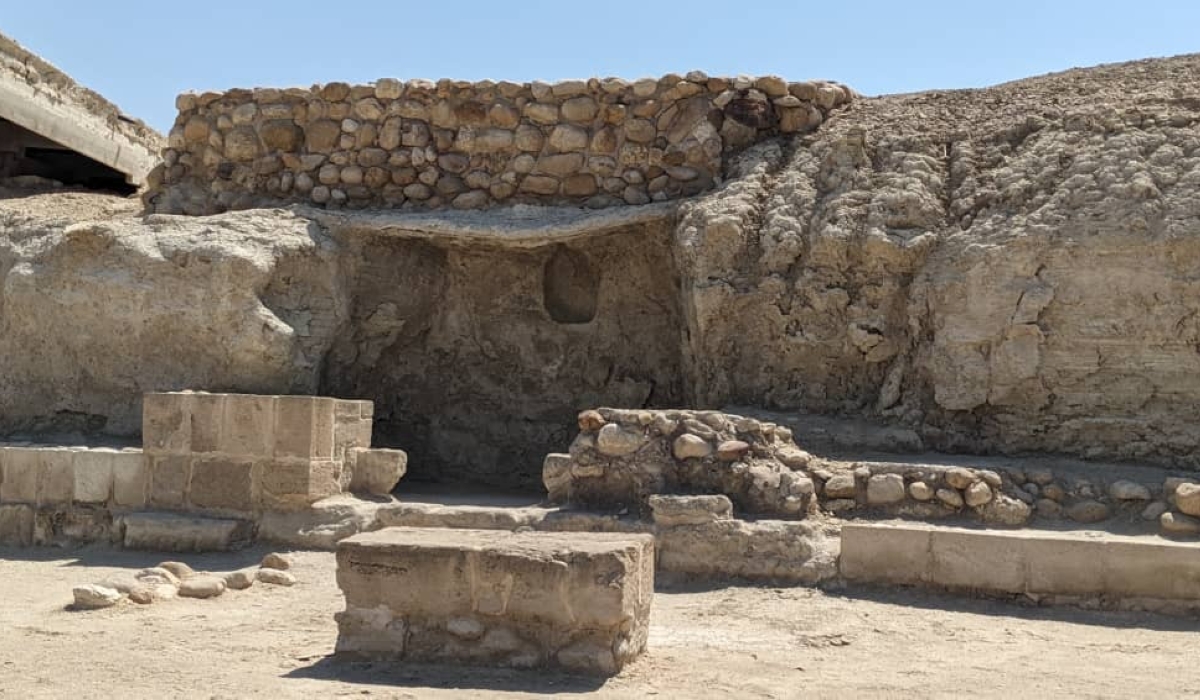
{"points": [[304, 427], [166, 422], [21, 469], [169, 479], [223, 483], [16, 525], [57, 483], [207, 417], [376, 472], [249, 426], [352, 426], [671, 511], [167, 532], [93, 475], [130, 479], [575, 600], [885, 555], [296, 483]]}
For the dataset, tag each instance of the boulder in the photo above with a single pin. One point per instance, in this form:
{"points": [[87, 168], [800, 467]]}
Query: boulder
{"points": [[93, 597]]}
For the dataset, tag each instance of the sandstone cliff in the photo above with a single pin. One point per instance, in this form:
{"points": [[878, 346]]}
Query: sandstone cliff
{"points": [[1009, 269]]}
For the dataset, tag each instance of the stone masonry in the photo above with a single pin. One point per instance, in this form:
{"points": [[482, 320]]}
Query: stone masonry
{"points": [[244, 453], [575, 600], [420, 144]]}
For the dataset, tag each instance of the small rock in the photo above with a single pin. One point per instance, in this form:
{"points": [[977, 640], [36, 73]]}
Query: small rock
{"points": [[885, 489], [1154, 511], [1041, 477], [732, 450], [178, 568], [615, 441], [1005, 511], [1187, 498], [1178, 524], [1047, 508], [591, 420], [1128, 491], [240, 580], [465, 628], [276, 577], [92, 597], [793, 457], [841, 486], [977, 494], [1088, 511], [960, 478], [991, 478], [142, 595], [157, 575], [688, 446], [275, 560], [950, 497], [201, 586], [920, 491], [1054, 492]]}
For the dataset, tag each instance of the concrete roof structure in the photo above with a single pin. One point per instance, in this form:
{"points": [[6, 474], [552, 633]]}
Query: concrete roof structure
{"points": [[52, 114]]}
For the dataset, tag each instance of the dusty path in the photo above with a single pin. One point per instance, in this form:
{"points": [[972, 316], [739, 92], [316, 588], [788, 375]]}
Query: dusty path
{"points": [[724, 643]]}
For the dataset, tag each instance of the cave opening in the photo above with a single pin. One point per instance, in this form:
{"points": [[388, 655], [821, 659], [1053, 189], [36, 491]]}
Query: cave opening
{"points": [[480, 356]]}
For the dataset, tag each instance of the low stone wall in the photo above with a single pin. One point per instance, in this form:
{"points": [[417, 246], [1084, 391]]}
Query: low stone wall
{"points": [[622, 457], [473, 145], [579, 600]]}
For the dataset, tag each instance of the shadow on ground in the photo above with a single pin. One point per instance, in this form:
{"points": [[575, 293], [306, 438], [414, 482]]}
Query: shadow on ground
{"points": [[398, 674]]}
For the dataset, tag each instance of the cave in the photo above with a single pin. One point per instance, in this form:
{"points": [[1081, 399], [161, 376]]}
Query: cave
{"points": [[23, 152], [480, 354]]}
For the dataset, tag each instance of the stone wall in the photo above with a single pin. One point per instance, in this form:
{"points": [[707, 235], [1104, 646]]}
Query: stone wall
{"points": [[598, 142]]}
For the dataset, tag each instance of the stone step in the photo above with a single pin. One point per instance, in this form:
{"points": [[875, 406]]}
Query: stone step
{"points": [[172, 532], [1042, 565]]}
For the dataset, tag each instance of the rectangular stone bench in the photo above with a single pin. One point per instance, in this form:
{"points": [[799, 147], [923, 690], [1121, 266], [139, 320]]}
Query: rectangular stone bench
{"points": [[580, 601]]}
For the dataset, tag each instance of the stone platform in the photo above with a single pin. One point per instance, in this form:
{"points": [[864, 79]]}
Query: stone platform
{"points": [[580, 601]]}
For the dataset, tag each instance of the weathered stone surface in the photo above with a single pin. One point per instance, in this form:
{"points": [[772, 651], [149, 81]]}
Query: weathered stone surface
{"points": [[885, 489], [1177, 524], [377, 471], [841, 486], [239, 580], [671, 511], [201, 586], [1088, 511], [275, 577], [1187, 498], [537, 596], [177, 533], [275, 560], [616, 441], [689, 446], [93, 597], [1128, 491], [977, 494]]}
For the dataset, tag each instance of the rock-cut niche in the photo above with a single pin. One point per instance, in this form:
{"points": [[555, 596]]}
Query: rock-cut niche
{"points": [[480, 356]]}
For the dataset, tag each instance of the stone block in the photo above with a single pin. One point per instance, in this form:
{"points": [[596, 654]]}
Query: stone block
{"points": [[576, 600], [207, 417], [1166, 570], [131, 479], [16, 525], [881, 554], [294, 484], [352, 426], [169, 476], [56, 484], [93, 475], [166, 532], [21, 469], [249, 423], [979, 561], [376, 471], [304, 427], [671, 511], [1063, 566], [166, 422], [222, 483]]}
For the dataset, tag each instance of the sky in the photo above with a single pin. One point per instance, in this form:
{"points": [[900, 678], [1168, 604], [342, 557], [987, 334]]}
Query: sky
{"points": [[140, 53]]}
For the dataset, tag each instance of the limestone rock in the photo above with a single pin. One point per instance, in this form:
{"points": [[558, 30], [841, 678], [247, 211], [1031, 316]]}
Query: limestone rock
{"points": [[239, 580], [960, 478], [950, 497], [1049, 509], [93, 597], [920, 491], [1088, 511], [276, 577], [885, 489], [671, 511], [377, 471], [1005, 510], [1187, 498], [1154, 510], [977, 494], [841, 486], [1128, 491], [168, 572], [1177, 524], [201, 586], [732, 450], [615, 441], [688, 446], [591, 420], [275, 560]]}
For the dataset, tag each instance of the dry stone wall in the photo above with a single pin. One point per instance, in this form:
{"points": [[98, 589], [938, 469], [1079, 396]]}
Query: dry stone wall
{"points": [[420, 144]]}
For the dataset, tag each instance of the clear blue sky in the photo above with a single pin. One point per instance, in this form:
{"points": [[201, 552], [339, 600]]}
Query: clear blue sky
{"points": [[141, 53]]}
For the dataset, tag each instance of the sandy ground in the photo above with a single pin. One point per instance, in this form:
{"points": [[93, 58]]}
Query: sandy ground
{"points": [[743, 642]]}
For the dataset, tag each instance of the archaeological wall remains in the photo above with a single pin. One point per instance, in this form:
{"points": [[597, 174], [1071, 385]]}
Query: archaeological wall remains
{"points": [[420, 144]]}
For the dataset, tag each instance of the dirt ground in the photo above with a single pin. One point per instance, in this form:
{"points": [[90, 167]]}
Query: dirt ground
{"points": [[743, 642]]}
